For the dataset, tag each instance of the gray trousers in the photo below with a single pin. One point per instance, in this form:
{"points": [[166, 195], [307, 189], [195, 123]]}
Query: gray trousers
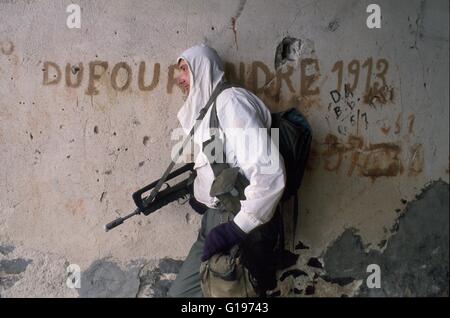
{"points": [[187, 283]]}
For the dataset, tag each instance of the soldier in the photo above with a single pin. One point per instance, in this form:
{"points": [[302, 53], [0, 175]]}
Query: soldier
{"points": [[201, 72]]}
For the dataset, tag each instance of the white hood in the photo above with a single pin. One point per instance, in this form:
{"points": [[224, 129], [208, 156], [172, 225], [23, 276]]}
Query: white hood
{"points": [[206, 71]]}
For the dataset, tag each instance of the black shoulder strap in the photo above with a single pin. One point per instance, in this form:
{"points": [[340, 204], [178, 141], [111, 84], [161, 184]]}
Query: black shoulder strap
{"points": [[218, 89], [214, 120], [214, 126]]}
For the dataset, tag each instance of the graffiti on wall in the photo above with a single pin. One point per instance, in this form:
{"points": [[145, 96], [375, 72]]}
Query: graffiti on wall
{"points": [[258, 72], [74, 75], [356, 156], [302, 85], [360, 86]]}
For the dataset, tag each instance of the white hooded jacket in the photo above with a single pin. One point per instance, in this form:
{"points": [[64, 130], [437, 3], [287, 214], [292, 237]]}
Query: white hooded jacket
{"points": [[236, 108]]}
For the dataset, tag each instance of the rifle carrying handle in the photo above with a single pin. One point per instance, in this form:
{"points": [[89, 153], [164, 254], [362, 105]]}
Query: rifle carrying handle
{"points": [[137, 196]]}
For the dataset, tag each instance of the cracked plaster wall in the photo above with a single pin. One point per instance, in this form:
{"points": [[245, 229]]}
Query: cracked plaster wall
{"points": [[73, 147]]}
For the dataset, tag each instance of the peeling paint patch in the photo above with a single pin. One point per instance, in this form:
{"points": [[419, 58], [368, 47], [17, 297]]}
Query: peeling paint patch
{"points": [[168, 265], [8, 281], [106, 279], [15, 266], [415, 260], [6, 249], [10, 270], [154, 281]]}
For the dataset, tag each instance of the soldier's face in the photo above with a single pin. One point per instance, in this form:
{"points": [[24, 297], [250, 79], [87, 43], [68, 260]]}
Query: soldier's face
{"points": [[183, 78]]}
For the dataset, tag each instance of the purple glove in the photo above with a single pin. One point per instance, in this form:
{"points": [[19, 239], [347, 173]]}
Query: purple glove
{"points": [[222, 238]]}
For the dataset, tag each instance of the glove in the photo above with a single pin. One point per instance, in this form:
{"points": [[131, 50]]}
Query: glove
{"points": [[222, 238], [198, 207]]}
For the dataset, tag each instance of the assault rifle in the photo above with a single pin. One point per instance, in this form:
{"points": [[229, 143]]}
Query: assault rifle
{"points": [[157, 198], [161, 198]]}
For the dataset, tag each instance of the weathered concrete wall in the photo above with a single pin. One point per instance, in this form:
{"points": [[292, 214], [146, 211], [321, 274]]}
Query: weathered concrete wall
{"points": [[86, 116]]}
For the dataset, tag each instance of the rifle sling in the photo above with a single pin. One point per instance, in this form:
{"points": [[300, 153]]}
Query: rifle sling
{"points": [[219, 88]]}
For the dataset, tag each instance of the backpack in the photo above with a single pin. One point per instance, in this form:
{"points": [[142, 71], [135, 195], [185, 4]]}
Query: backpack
{"points": [[295, 136], [294, 147]]}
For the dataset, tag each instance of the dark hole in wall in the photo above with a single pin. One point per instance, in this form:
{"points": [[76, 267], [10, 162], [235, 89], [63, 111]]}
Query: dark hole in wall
{"points": [[287, 50]]}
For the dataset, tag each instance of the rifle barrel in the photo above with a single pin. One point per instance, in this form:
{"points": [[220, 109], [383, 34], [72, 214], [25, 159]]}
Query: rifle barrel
{"points": [[120, 220]]}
